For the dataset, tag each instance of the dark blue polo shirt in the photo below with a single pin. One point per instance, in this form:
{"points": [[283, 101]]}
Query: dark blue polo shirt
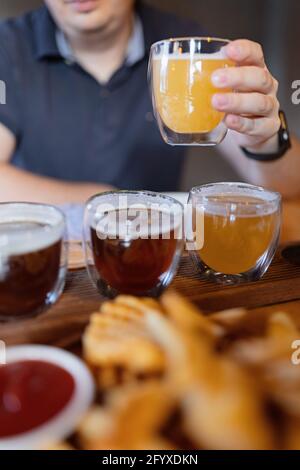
{"points": [[70, 127]]}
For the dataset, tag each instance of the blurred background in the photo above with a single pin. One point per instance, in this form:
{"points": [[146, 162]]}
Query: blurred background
{"points": [[273, 23]]}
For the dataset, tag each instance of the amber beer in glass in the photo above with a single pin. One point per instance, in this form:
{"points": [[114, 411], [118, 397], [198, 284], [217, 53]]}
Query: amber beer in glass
{"points": [[133, 242], [241, 230], [33, 258], [180, 72]]}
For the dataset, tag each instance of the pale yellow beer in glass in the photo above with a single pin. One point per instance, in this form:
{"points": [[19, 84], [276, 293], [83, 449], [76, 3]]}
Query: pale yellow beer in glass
{"points": [[241, 227], [234, 243], [182, 90], [187, 109]]}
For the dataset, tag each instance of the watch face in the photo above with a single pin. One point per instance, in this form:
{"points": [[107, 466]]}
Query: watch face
{"points": [[285, 136]]}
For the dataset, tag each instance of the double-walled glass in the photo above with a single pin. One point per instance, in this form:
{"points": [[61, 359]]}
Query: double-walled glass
{"points": [[240, 230], [133, 242], [33, 258], [180, 72]]}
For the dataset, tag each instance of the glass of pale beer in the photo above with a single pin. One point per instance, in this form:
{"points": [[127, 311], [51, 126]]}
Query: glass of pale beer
{"points": [[241, 229], [180, 72]]}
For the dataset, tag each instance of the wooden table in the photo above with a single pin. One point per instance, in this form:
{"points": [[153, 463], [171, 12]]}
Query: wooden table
{"points": [[63, 324]]}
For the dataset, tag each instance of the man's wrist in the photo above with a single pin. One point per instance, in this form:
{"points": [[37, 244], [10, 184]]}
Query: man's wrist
{"points": [[269, 146], [273, 149]]}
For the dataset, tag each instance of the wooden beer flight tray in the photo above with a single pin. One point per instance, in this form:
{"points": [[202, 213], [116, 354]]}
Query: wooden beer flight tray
{"points": [[63, 324]]}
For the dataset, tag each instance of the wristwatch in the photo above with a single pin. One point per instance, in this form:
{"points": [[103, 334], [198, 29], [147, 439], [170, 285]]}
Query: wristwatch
{"points": [[283, 140]]}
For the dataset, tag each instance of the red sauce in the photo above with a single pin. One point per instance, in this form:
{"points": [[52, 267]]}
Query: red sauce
{"points": [[31, 393]]}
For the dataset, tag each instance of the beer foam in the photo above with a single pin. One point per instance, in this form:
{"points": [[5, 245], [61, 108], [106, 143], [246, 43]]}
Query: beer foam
{"points": [[220, 55], [152, 224], [242, 204], [223, 212], [19, 241]]}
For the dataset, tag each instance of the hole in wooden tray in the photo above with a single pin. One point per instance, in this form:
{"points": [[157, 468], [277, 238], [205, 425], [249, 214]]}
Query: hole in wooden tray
{"points": [[292, 254]]}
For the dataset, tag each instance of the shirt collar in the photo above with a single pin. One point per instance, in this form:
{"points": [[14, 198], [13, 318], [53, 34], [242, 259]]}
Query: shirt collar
{"points": [[134, 53], [43, 27], [148, 28], [136, 44]]}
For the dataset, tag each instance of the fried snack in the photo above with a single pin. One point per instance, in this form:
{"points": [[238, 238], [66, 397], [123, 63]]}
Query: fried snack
{"points": [[222, 407], [281, 380], [138, 303], [60, 446], [132, 419], [118, 346], [229, 318], [282, 328], [270, 357], [257, 352], [96, 429], [292, 434], [131, 351], [122, 311], [187, 316], [215, 383]]}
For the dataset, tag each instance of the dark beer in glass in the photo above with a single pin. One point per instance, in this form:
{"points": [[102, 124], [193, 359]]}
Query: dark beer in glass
{"points": [[33, 258], [133, 242]]}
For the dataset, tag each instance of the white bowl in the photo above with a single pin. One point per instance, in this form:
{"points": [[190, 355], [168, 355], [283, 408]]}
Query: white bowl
{"points": [[64, 423]]}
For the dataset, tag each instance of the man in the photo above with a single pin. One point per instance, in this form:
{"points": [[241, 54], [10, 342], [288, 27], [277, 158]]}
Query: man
{"points": [[78, 116]]}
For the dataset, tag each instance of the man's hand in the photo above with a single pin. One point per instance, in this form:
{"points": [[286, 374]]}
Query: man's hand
{"points": [[252, 111]]}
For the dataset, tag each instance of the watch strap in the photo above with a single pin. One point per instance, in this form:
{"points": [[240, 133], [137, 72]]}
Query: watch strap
{"points": [[284, 144]]}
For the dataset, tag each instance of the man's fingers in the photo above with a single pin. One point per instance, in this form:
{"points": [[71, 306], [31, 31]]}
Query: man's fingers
{"points": [[252, 110], [248, 78], [255, 104], [245, 52], [258, 127]]}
